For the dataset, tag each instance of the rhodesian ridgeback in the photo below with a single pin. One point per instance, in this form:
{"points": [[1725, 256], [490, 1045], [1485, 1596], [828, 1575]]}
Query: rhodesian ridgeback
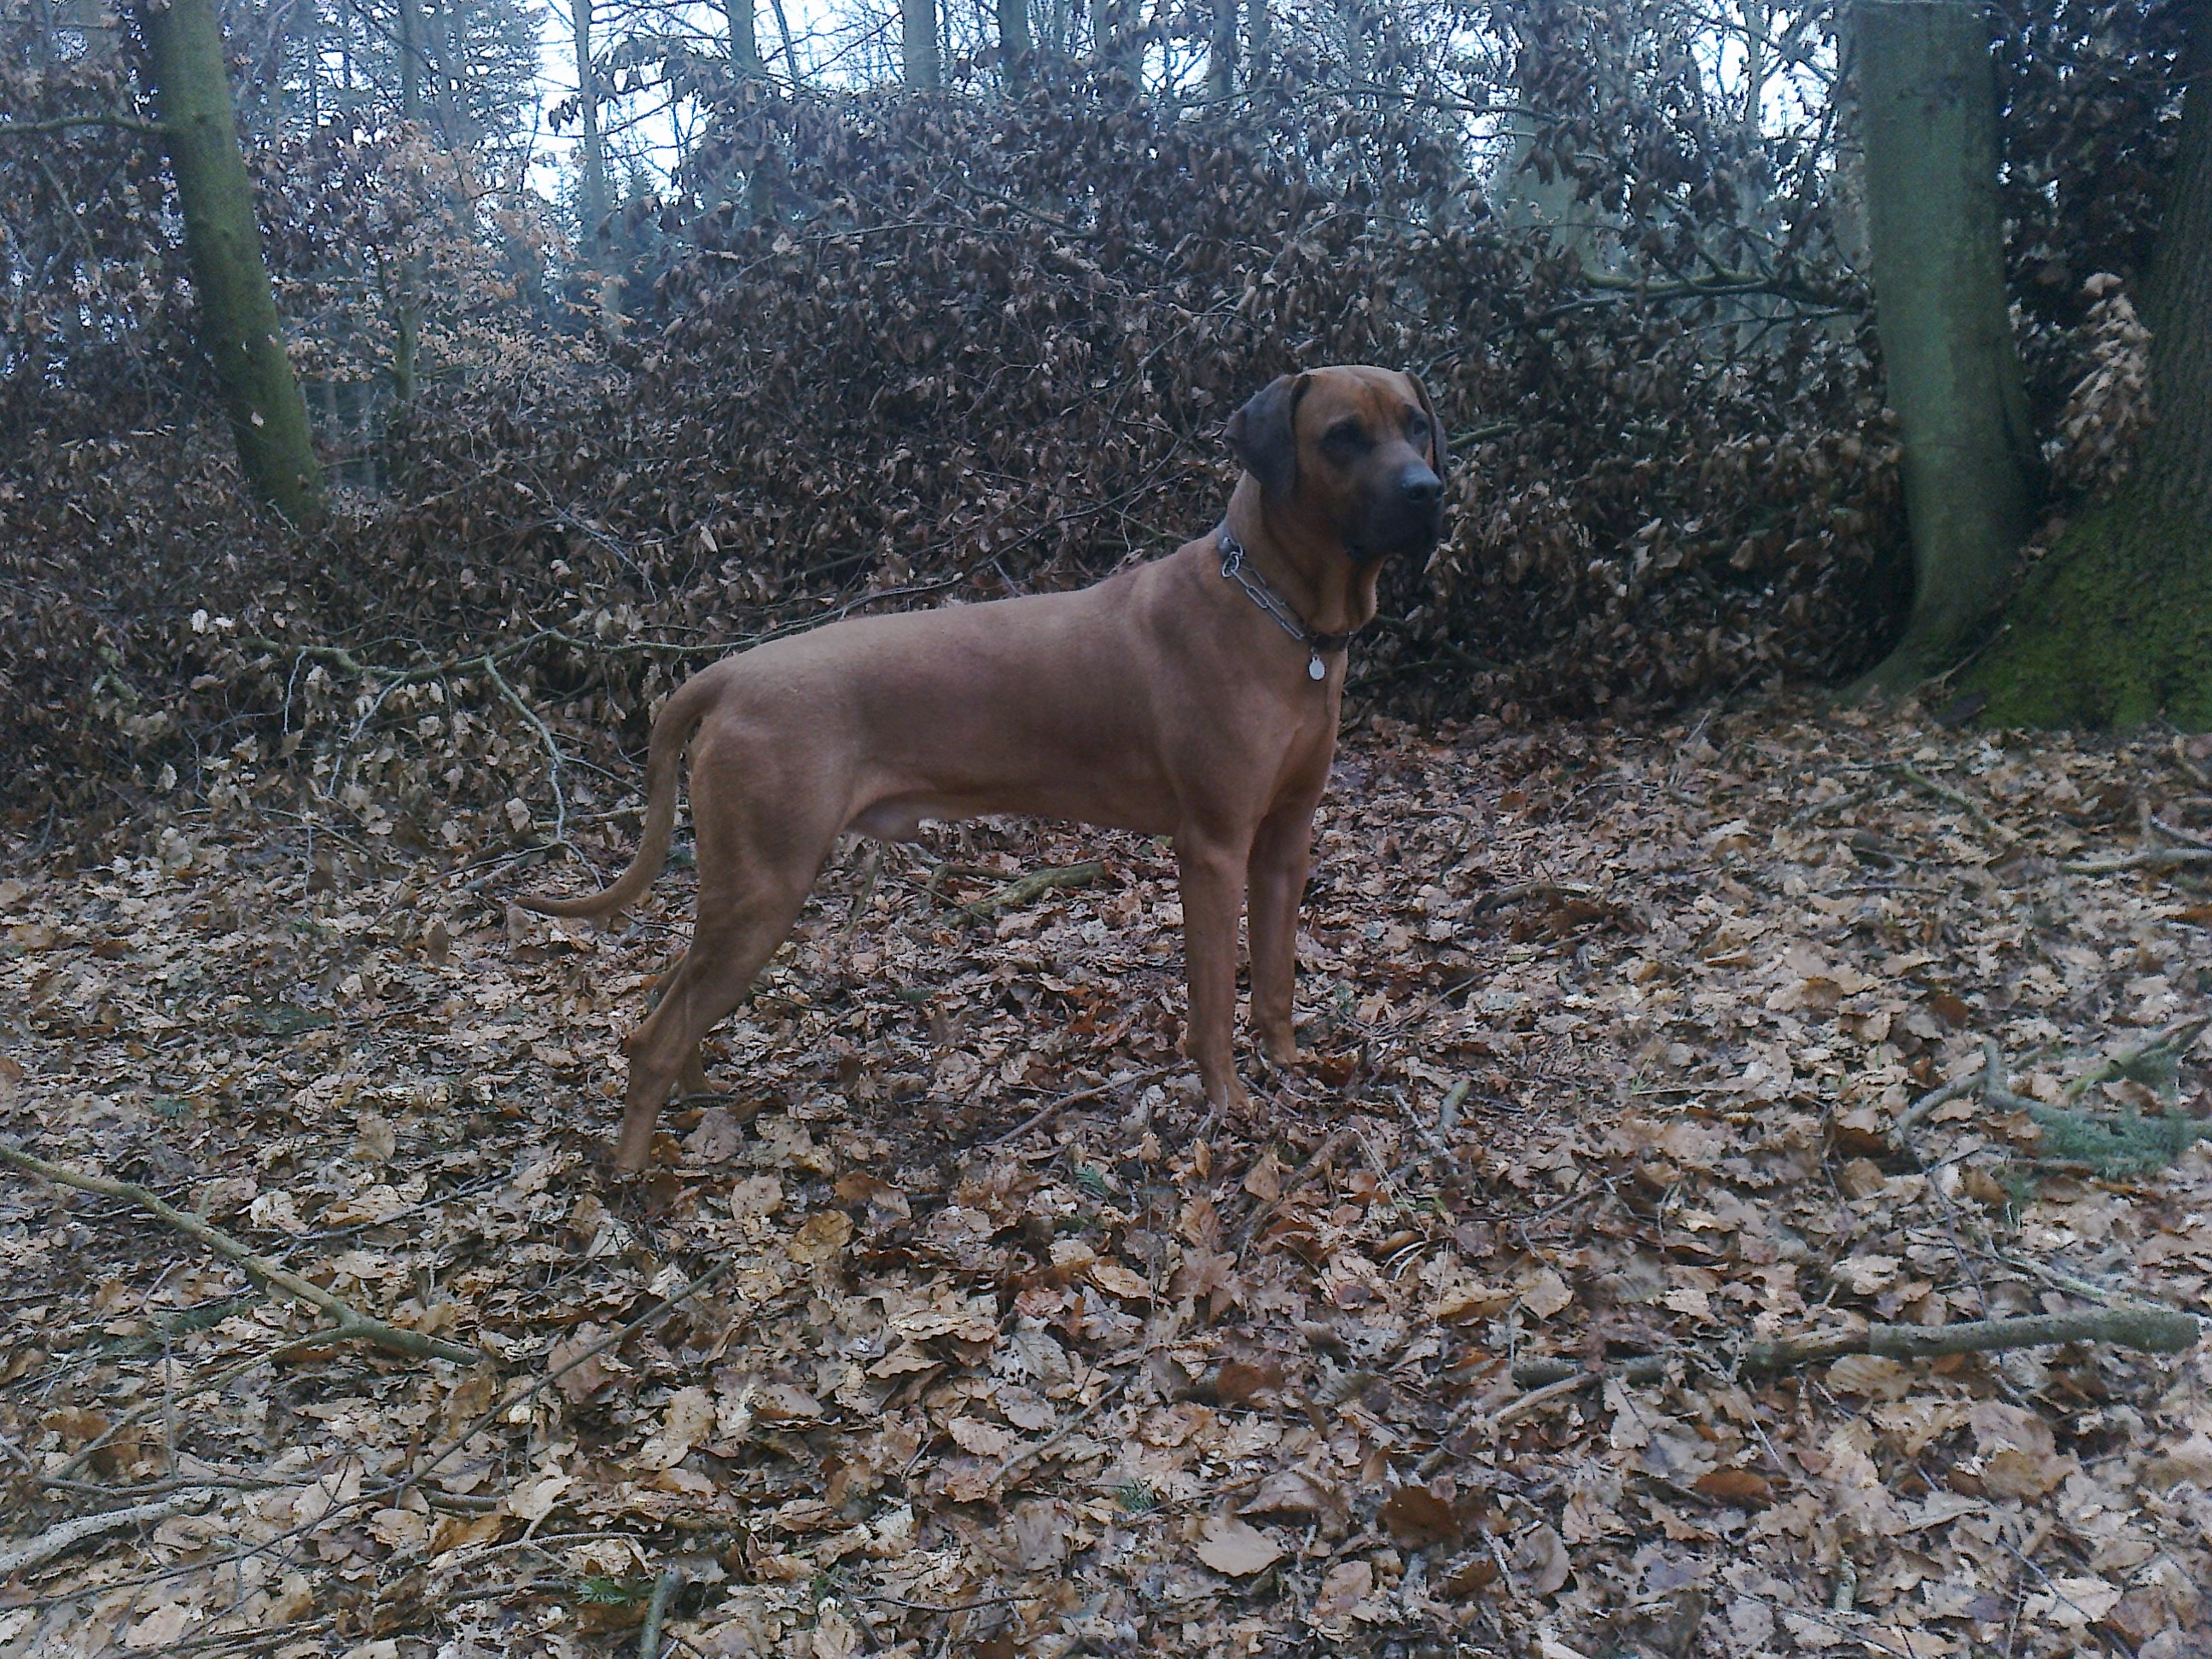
{"points": [[1194, 697]]}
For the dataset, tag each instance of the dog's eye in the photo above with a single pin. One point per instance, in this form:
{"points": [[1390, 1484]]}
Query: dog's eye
{"points": [[1344, 441], [1417, 427]]}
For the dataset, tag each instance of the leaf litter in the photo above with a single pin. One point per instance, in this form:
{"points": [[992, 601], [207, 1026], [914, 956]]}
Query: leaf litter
{"points": [[1435, 1349]]}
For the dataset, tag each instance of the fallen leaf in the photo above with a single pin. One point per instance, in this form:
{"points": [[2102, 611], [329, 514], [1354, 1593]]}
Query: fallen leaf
{"points": [[1233, 1548]]}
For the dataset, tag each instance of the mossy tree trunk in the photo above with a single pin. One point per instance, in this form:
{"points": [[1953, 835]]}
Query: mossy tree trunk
{"points": [[1927, 112], [239, 329], [2114, 628]]}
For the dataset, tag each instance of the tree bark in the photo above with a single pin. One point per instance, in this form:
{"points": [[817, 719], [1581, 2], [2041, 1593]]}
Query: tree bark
{"points": [[407, 300], [1259, 30], [1015, 43], [918, 62], [1221, 54], [1928, 110], [2114, 628], [744, 39], [239, 327], [595, 195]]}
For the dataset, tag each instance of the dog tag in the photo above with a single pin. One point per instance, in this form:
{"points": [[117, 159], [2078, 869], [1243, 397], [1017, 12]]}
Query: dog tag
{"points": [[1314, 669]]}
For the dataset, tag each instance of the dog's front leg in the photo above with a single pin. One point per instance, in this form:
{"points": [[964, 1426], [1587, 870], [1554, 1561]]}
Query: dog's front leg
{"points": [[1211, 871], [1280, 855]]}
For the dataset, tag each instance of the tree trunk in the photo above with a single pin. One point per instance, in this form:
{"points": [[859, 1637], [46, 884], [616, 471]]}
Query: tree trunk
{"points": [[918, 45], [2114, 628], [594, 201], [1259, 28], [1221, 54], [1113, 36], [1928, 109], [407, 300], [239, 327], [744, 40], [1015, 44]]}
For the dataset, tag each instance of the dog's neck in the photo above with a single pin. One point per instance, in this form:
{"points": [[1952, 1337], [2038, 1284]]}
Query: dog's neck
{"points": [[1309, 568]]}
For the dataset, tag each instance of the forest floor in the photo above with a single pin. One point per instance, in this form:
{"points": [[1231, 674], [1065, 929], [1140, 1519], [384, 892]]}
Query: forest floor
{"points": [[1611, 1031]]}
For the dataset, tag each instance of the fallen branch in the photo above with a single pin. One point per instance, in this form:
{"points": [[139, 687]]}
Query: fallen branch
{"points": [[62, 1538], [1990, 1083], [1535, 1373], [1498, 897], [1821, 809], [1053, 1106], [1020, 1461], [2147, 1330], [545, 737], [2158, 1055], [2157, 858], [1966, 804], [664, 1591], [351, 1326], [1015, 894]]}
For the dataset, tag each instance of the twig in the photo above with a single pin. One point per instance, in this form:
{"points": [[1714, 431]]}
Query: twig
{"points": [[1966, 804], [2187, 837], [62, 1538], [1015, 893], [1535, 1373], [60, 123], [2157, 858], [1498, 897], [1513, 1411], [1138, 1081], [351, 1326], [1324, 1155], [1021, 1460], [2148, 1329], [2080, 1287], [664, 1591], [552, 749], [1821, 809], [1989, 1082], [213, 1383], [2168, 1043]]}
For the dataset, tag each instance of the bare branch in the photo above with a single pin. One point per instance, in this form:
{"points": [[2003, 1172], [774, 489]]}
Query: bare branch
{"points": [[2148, 1329], [62, 124], [351, 1326]]}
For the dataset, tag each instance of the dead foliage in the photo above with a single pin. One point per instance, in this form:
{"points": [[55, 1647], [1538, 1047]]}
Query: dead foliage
{"points": [[1616, 1042]]}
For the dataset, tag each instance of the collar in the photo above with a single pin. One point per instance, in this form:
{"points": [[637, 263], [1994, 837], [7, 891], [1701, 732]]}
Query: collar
{"points": [[1235, 569]]}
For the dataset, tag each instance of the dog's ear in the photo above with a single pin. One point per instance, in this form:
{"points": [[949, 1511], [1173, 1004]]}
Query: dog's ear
{"points": [[1438, 456], [1263, 435]]}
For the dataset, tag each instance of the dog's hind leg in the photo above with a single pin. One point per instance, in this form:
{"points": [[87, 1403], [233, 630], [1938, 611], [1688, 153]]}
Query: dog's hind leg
{"points": [[732, 943]]}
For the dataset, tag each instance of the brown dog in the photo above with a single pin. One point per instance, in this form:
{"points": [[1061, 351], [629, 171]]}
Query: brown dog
{"points": [[1194, 697]]}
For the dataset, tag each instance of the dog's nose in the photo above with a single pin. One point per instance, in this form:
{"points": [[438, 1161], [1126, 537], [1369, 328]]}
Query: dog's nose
{"points": [[1420, 487]]}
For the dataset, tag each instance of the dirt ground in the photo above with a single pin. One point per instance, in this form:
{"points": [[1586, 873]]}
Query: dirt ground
{"points": [[960, 1327]]}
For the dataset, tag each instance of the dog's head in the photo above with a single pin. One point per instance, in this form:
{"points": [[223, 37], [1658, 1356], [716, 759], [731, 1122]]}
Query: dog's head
{"points": [[1357, 446]]}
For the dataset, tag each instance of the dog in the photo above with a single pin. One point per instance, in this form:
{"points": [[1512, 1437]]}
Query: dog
{"points": [[1194, 697]]}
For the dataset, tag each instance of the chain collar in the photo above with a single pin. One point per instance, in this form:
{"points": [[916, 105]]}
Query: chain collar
{"points": [[1318, 644]]}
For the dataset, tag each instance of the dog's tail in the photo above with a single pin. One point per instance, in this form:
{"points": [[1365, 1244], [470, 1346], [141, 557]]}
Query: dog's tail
{"points": [[671, 732]]}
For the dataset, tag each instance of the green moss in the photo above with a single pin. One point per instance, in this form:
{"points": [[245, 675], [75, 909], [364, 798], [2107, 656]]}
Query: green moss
{"points": [[2112, 630], [2114, 1146]]}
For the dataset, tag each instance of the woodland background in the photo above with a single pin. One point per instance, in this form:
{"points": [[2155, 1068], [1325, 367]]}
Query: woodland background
{"points": [[783, 334], [1656, 1017]]}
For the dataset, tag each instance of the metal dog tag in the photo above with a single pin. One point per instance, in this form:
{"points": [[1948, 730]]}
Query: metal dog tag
{"points": [[1314, 669]]}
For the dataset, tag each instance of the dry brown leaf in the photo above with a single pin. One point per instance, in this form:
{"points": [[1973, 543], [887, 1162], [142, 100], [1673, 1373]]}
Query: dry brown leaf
{"points": [[1235, 1549]]}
